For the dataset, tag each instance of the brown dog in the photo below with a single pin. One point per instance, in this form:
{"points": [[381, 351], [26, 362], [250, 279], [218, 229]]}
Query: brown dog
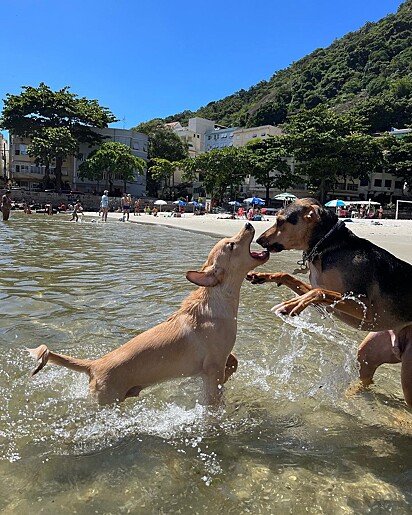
{"points": [[361, 283], [196, 340]]}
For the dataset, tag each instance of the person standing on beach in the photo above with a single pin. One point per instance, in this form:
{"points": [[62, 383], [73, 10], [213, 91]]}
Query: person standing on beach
{"points": [[137, 207], [105, 205], [6, 205], [126, 202]]}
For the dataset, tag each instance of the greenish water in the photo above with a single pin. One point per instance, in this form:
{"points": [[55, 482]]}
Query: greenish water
{"points": [[288, 439]]}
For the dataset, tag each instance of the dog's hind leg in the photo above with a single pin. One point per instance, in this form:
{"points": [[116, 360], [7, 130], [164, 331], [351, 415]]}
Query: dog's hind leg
{"points": [[375, 350], [406, 373], [231, 366]]}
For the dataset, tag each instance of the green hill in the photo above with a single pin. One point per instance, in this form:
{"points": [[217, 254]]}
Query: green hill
{"points": [[368, 71]]}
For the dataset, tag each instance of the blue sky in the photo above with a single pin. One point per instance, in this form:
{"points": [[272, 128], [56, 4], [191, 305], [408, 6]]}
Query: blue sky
{"points": [[151, 59]]}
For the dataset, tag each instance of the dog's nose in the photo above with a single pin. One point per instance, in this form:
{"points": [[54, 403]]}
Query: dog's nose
{"points": [[261, 241], [249, 226]]}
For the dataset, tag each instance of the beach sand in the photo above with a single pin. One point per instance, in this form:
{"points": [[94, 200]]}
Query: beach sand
{"points": [[392, 235]]}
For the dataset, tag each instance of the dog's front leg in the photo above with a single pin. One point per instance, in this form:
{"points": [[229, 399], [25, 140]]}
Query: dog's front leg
{"points": [[319, 296], [213, 379], [280, 278]]}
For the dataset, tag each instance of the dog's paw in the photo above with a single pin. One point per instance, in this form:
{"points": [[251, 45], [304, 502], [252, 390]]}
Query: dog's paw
{"points": [[255, 278]]}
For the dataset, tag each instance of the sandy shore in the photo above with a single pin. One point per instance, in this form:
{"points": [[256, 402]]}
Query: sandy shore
{"points": [[392, 235]]}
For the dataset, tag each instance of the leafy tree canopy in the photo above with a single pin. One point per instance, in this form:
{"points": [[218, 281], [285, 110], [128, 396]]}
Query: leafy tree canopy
{"points": [[268, 164], [327, 146], [163, 142], [109, 160], [219, 169], [36, 110]]}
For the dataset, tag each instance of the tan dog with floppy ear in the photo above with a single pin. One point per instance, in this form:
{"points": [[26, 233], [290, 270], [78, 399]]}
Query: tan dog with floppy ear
{"points": [[196, 340]]}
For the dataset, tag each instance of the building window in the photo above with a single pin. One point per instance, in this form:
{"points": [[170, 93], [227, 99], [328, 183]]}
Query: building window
{"points": [[364, 182], [388, 183], [378, 183], [254, 135], [263, 133], [352, 187]]}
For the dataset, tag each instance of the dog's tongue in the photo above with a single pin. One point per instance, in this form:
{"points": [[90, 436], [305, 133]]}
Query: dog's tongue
{"points": [[259, 255]]}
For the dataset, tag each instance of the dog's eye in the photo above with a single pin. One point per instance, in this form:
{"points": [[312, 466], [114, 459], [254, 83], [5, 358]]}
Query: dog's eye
{"points": [[279, 222], [231, 245]]}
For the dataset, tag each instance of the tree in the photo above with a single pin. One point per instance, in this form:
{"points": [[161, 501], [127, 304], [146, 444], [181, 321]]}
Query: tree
{"points": [[219, 170], [163, 144], [37, 109], [269, 165], [327, 146], [50, 144], [109, 160], [163, 170], [398, 157]]}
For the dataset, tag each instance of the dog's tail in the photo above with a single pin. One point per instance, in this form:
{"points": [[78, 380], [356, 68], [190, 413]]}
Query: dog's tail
{"points": [[42, 355]]}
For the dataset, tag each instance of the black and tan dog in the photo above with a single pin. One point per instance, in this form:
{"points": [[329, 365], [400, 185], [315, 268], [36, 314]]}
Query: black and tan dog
{"points": [[362, 284]]}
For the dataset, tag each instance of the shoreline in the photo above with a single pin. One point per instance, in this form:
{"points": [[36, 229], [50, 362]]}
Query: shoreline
{"points": [[394, 236]]}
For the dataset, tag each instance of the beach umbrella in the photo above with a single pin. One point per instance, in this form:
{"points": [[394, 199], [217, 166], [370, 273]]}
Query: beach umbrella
{"points": [[180, 202], [285, 196], [194, 204], [160, 203], [254, 200], [335, 203], [234, 203]]}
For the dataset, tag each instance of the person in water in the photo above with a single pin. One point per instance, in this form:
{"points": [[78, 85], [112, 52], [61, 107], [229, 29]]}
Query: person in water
{"points": [[6, 205]]}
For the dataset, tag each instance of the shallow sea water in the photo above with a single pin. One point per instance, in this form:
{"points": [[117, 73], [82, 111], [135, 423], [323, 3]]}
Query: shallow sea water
{"points": [[287, 440]]}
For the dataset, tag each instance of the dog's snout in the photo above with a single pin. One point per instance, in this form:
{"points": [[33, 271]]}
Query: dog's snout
{"points": [[249, 226], [261, 241]]}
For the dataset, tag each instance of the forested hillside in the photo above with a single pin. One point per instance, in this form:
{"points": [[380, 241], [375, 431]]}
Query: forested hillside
{"points": [[368, 72]]}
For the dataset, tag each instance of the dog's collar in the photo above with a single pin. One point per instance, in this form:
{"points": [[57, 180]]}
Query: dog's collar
{"points": [[308, 257]]}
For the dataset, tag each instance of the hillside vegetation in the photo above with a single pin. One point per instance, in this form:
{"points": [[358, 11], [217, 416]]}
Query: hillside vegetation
{"points": [[368, 72]]}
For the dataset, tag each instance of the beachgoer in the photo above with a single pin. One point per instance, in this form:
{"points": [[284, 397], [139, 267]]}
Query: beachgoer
{"points": [[380, 212], [137, 207], [125, 203], [77, 208], [105, 205], [6, 205]]}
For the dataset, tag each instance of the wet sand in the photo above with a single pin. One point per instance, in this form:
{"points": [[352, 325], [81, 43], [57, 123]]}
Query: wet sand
{"points": [[392, 235]]}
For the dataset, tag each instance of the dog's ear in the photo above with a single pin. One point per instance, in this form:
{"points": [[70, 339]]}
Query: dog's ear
{"points": [[313, 215], [209, 277]]}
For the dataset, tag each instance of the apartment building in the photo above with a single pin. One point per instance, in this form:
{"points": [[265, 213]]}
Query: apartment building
{"points": [[4, 160], [194, 134], [219, 138], [25, 173], [242, 136]]}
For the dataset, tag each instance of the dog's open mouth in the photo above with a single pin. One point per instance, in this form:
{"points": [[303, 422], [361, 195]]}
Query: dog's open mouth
{"points": [[261, 256]]}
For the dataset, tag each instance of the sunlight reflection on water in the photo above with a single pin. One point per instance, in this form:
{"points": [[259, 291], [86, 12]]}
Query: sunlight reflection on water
{"points": [[286, 439]]}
